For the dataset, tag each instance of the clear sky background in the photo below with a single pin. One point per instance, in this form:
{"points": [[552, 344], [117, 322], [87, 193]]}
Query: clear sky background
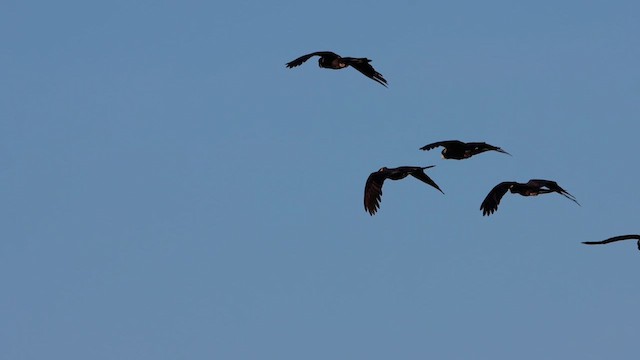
{"points": [[171, 191]]}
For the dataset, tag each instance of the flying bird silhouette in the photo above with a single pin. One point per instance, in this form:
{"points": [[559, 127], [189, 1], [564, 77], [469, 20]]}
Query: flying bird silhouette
{"points": [[458, 150], [373, 187], [532, 188], [613, 239], [331, 60]]}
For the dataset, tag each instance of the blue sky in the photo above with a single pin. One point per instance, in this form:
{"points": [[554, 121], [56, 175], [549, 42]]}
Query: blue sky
{"points": [[171, 190]]}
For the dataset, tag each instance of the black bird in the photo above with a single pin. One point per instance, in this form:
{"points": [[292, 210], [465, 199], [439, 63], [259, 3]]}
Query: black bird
{"points": [[532, 188], [373, 188], [458, 150], [331, 60], [615, 238]]}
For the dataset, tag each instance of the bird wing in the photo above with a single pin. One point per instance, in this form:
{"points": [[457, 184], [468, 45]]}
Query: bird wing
{"points": [[373, 192], [440, 143], [480, 147], [553, 187], [420, 175], [613, 239], [299, 61], [362, 65], [490, 203]]}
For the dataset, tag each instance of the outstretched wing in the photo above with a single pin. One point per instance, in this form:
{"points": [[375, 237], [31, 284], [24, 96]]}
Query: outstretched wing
{"points": [[614, 239], [491, 202], [553, 187], [420, 175], [480, 147], [299, 61], [441, 143], [373, 192], [362, 65]]}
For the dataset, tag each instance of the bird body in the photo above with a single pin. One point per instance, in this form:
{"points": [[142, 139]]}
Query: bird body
{"points": [[614, 239], [373, 187], [331, 60], [459, 150], [533, 187]]}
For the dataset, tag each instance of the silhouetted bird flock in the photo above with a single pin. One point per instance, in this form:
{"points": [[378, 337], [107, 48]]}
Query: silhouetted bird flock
{"points": [[453, 149]]}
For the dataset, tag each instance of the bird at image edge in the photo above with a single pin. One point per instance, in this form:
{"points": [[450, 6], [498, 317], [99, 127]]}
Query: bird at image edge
{"points": [[614, 239]]}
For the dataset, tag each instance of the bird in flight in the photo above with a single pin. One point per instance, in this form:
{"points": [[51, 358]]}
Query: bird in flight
{"points": [[532, 188], [613, 239], [459, 150], [331, 60], [373, 187]]}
